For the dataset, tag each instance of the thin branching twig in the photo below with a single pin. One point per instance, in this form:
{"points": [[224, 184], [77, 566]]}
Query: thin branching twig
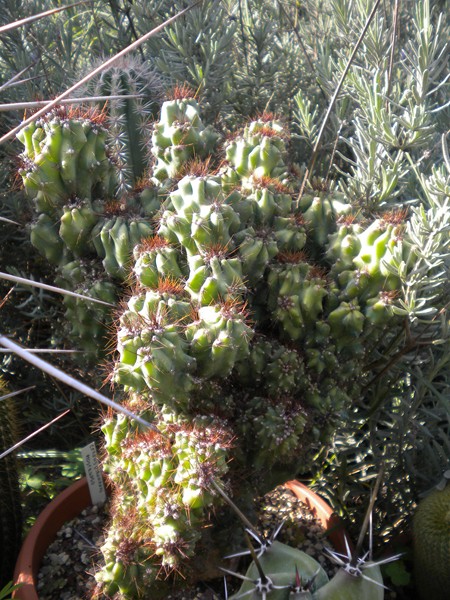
{"points": [[39, 103], [42, 351], [17, 392], [32, 435], [15, 77], [50, 288]]}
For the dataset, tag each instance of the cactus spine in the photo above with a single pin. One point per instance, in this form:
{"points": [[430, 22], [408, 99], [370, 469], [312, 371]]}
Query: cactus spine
{"points": [[246, 335], [249, 325]]}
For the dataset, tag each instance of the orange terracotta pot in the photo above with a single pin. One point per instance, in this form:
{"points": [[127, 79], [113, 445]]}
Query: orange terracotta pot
{"points": [[76, 498], [323, 512], [67, 505]]}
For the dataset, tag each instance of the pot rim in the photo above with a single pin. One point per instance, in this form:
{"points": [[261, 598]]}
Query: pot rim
{"points": [[64, 507], [323, 512], [74, 499]]}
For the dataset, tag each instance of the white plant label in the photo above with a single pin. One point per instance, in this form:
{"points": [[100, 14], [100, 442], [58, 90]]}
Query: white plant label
{"points": [[93, 474]]}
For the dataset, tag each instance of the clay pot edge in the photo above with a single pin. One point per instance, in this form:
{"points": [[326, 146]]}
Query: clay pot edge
{"points": [[73, 500]]}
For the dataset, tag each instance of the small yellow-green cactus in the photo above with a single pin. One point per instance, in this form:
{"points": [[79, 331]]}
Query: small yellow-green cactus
{"points": [[431, 529]]}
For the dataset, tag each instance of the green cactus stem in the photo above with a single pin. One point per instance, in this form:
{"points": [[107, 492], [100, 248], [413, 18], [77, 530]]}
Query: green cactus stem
{"points": [[179, 137], [128, 120], [65, 157], [280, 572], [88, 321], [284, 567], [367, 585], [247, 331], [170, 475], [259, 152]]}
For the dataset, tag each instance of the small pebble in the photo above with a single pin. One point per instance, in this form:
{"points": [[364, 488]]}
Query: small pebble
{"points": [[69, 560]]}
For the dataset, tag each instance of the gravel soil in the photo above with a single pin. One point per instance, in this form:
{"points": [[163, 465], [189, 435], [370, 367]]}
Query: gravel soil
{"points": [[66, 572], [67, 569]]}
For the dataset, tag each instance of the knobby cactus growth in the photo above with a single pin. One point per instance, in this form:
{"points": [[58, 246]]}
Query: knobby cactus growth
{"points": [[247, 335], [80, 225], [259, 318], [253, 318]]}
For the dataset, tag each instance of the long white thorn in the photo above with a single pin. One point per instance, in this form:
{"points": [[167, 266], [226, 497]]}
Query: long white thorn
{"points": [[5, 220], [12, 394], [389, 559], [72, 382], [41, 15], [255, 536], [339, 559], [50, 288], [347, 547], [225, 588], [32, 435], [238, 575], [237, 554], [277, 530], [374, 582]]}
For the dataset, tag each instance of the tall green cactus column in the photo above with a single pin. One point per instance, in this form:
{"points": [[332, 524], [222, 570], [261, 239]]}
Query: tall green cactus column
{"points": [[128, 120], [10, 506]]}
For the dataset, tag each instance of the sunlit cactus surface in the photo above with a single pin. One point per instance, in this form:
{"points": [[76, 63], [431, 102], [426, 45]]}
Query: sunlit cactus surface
{"points": [[253, 313]]}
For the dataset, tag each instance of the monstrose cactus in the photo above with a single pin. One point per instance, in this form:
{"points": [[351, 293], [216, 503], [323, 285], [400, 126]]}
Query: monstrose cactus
{"points": [[81, 225], [252, 317]]}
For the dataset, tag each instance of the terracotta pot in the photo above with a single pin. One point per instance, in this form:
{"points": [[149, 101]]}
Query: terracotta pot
{"points": [[67, 505], [323, 512], [76, 498]]}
